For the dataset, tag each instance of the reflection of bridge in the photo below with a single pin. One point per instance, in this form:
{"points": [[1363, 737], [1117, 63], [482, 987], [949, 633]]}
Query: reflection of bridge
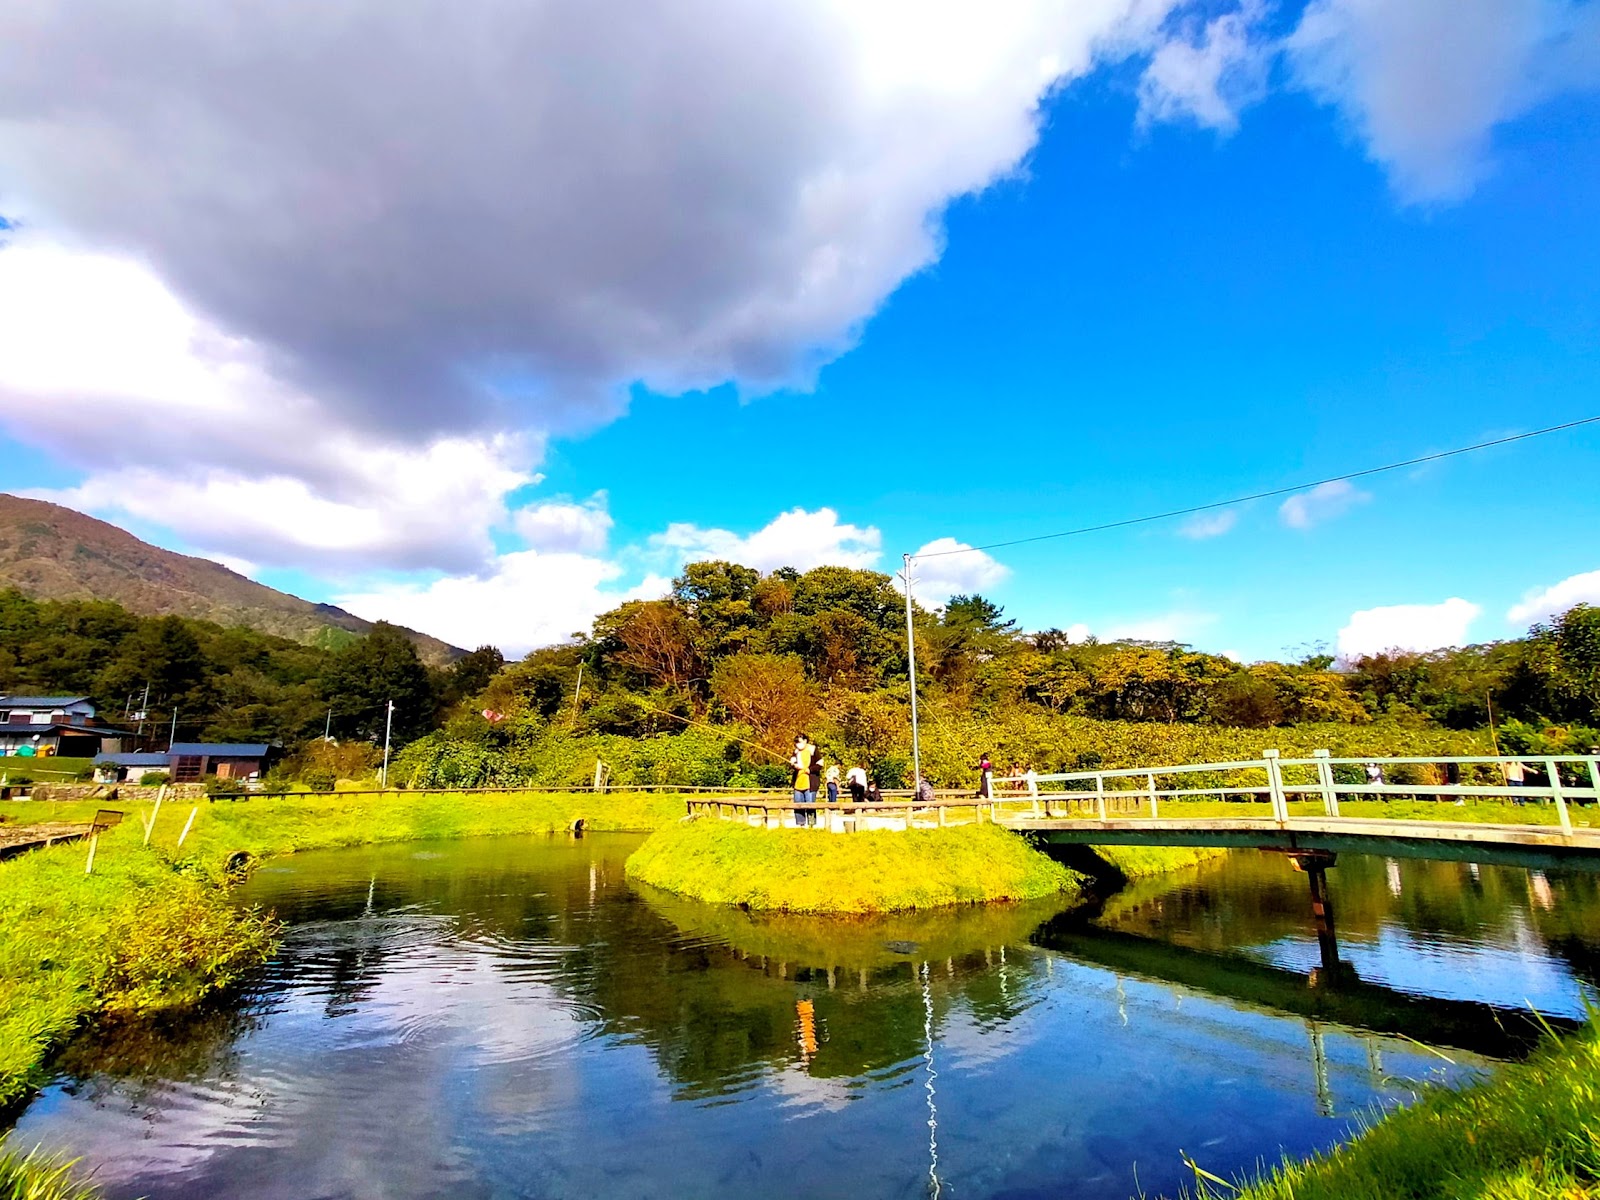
{"points": [[1338, 996]]}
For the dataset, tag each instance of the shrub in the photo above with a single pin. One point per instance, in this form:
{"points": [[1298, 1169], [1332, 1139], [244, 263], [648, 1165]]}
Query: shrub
{"points": [[217, 785], [153, 779], [21, 779], [319, 779]]}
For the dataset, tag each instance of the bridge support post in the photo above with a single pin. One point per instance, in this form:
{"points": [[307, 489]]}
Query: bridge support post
{"points": [[1315, 864], [1100, 794]]}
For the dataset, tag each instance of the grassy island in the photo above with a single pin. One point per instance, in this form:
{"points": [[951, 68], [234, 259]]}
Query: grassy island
{"points": [[813, 871]]}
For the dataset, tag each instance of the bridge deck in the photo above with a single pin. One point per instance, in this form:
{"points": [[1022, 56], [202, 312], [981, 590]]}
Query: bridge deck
{"points": [[1523, 845]]}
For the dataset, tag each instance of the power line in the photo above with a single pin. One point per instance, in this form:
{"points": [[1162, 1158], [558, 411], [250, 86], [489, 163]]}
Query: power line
{"points": [[1282, 491]]}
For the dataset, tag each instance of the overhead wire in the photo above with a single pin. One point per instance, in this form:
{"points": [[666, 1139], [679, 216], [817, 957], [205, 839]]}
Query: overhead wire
{"points": [[1268, 494]]}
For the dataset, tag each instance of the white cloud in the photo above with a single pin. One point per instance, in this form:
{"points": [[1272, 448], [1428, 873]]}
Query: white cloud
{"points": [[527, 599], [561, 525], [1078, 633], [429, 222], [181, 425], [1407, 627], [1425, 82], [266, 244], [1208, 80], [953, 569], [1209, 525], [797, 538], [1321, 503], [1541, 604], [1178, 626]]}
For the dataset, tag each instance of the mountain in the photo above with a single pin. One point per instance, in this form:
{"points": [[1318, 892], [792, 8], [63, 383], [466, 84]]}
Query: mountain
{"points": [[53, 553]]}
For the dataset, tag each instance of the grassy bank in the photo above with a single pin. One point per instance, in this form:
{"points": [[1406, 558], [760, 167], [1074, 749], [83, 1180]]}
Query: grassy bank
{"points": [[811, 871], [1531, 1132], [139, 934]]}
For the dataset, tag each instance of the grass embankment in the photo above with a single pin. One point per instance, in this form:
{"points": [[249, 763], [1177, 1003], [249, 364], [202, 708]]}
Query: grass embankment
{"points": [[1141, 862], [152, 926], [1481, 811], [1530, 1132], [139, 934], [812, 871]]}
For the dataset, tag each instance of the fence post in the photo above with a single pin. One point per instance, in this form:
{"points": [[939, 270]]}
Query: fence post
{"points": [[1330, 798], [1594, 777], [1555, 794], [1100, 794], [1280, 807], [1151, 780]]}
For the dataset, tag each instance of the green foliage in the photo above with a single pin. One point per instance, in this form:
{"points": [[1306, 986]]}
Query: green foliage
{"points": [[813, 871], [153, 778], [37, 1176], [361, 680], [217, 785], [138, 934], [1531, 1132]]}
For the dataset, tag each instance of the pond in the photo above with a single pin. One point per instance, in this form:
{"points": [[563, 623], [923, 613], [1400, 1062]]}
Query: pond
{"points": [[510, 1018]]}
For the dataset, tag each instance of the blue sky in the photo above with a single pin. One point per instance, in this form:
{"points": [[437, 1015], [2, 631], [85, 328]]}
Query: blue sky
{"points": [[1187, 268]]}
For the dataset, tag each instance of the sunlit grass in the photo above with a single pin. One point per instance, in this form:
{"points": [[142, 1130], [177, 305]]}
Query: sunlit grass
{"points": [[814, 871], [36, 1176]]}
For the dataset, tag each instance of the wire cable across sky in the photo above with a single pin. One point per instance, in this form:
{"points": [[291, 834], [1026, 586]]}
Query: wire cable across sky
{"points": [[1281, 491]]}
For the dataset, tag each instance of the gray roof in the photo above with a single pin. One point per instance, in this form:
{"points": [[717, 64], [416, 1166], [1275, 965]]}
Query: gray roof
{"points": [[39, 701], [134, 760], [58, 727], [222, 749]]}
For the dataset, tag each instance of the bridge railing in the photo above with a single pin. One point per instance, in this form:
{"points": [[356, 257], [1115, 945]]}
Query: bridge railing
{"points": [[849, 815], [1276, 781]]}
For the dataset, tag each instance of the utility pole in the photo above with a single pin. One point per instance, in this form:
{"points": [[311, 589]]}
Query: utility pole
{"points": [[327, 726], [173, 736], [388, 724], [144, 707], [911, 661], [577, 694]]}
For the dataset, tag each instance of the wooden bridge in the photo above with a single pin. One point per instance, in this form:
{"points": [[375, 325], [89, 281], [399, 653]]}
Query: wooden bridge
{"points": [[1538, 812]]}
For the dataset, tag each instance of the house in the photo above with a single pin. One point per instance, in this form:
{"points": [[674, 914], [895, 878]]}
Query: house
{"points": [[64, 725]]}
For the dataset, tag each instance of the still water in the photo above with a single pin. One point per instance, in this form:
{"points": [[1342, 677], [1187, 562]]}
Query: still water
{"points": [[510, 1018]]}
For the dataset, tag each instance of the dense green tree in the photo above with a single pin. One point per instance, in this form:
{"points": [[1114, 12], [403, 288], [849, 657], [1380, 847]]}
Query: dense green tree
{"points": [[365, 677]]}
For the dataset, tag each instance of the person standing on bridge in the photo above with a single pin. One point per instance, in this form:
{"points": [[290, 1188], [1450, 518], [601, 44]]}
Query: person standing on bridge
{"points": [[833, 783], [805, 793], [985, 779]]}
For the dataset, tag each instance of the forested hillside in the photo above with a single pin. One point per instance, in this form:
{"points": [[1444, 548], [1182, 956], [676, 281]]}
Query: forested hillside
{"points": [[709, 684], [225, 684], [48, 552]]}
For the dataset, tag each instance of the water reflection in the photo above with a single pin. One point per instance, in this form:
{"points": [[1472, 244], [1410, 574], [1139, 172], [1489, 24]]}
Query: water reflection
{"points": [[510, 1018]]}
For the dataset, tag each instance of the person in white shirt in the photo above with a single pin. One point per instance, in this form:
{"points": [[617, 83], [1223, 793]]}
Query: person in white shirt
{"points": [[856, 780]]}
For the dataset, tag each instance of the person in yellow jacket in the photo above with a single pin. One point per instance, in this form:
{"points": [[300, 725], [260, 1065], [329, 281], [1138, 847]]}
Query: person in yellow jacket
{"points": [[803, 759]]}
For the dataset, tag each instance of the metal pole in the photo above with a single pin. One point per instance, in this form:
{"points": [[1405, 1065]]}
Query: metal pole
{"points": [[173, 736], [327, 726], [388, 724], [577, 694], [911, 661]]}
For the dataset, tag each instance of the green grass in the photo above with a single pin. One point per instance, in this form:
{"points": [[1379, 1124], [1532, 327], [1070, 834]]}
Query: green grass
{"points": [[138, 934], [1529, 1132], [34, 1176], [46, 769], [1141, 862], [814, 871]]}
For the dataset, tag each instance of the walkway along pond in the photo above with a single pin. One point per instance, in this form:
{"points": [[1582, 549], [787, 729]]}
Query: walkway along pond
{"points": [[509, 1017]]}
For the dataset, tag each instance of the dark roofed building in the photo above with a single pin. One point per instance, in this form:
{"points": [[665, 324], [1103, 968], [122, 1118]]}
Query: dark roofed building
{"points": [[193, 761], [114, 768]]}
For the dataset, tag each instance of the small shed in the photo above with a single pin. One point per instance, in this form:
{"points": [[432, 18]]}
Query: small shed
{"points": [[191, 762]]}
